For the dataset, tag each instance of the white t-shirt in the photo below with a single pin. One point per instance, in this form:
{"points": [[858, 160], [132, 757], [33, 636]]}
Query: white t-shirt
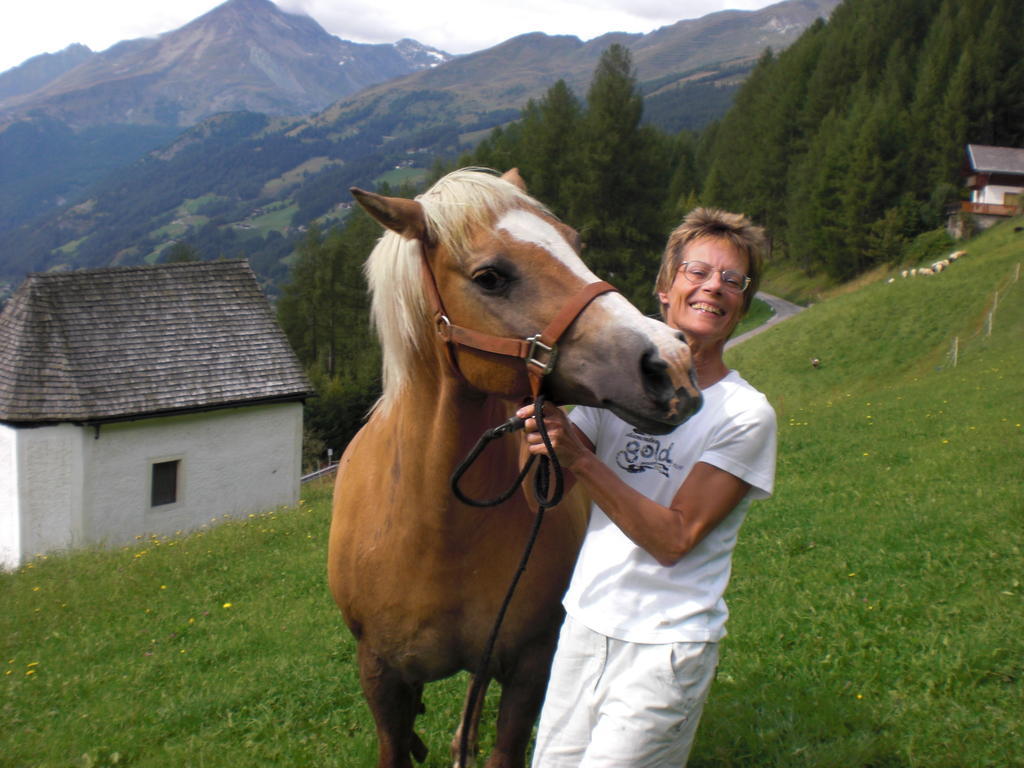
{"points": [[620, 590]]}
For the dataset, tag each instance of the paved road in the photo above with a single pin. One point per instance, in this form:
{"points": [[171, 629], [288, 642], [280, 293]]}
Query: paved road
{"points": [[782, 309]]}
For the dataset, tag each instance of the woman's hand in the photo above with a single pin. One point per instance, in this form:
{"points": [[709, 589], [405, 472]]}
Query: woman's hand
{"points": [[565, 438]]}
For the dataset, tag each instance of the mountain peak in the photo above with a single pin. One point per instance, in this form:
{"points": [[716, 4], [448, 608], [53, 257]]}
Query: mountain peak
{"points": [[235, 16], [36, 72], [256, 9], [243, 55], [247, 6]]}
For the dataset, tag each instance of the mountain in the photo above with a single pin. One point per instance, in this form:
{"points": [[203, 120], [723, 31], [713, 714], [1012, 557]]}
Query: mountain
{"points": [[44, 164], [717, 49], [243, 55], [248, 183], [41, 70], [67, 119]]}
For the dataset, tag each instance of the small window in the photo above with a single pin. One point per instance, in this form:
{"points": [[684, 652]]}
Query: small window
{"points": [[165, 483]]}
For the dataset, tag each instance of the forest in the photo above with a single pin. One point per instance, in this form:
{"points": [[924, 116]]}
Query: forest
{"points": [[847, 147]]}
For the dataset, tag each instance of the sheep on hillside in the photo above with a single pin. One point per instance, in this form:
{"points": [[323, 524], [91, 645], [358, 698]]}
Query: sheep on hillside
{"points": [[935, 268]]}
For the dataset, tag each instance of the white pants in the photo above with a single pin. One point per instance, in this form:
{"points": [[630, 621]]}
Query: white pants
{"points": [[616, 704]]}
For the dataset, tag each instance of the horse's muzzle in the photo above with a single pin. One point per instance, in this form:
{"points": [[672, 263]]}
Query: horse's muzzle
{"points": [[671, 385], [665, 393]]}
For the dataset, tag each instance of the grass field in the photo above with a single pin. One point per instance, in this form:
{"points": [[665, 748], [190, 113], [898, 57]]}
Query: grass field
{"points": [[275, 187], [278, 217], [760, 312], [398, 176], [877, 599]]}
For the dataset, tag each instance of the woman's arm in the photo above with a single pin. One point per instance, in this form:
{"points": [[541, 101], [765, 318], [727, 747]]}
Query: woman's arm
{"points": [[706, 497]]}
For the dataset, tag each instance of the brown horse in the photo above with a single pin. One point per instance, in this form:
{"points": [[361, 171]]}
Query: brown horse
{"points": [[418, 575]]}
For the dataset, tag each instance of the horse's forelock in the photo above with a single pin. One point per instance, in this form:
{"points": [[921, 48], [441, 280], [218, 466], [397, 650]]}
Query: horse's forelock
{"points": [[465, 200], [454, 208]]}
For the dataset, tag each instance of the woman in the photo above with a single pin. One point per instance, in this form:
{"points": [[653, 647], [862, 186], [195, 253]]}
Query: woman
{"points": [[644, 610]]}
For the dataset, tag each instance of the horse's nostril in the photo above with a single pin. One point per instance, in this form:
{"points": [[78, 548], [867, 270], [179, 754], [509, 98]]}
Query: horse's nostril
{"points": [[654, 370], [665, 384], [651, 362]]}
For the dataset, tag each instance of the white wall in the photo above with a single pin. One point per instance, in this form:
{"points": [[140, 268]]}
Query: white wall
{"points": [[10, 528], [994, 194], [76, 487], [48, 477]]}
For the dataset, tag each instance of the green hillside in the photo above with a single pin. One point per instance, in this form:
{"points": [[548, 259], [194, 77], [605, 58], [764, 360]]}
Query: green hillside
{"points": [[877, 599], [878, 596]]}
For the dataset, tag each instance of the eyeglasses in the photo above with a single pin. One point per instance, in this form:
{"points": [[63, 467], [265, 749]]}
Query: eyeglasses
{"points": [[697, 272]]}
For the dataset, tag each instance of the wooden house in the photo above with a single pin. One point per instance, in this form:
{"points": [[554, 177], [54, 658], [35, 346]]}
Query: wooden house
{"points": [[142, 400], [995, 177]]}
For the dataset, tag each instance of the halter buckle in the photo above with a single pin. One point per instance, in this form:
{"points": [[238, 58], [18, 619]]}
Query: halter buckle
{"points": [[536, 345], [443, 326]]}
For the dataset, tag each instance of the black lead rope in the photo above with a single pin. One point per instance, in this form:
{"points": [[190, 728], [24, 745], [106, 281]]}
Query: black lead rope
{"points": [[505, 428], [541, 479], [548, 465]]}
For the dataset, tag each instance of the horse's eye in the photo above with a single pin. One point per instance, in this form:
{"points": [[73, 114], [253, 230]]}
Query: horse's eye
{"points": [[491, 280]]}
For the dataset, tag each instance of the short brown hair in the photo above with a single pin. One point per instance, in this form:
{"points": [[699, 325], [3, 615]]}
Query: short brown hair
{"points": [[735, 228]]}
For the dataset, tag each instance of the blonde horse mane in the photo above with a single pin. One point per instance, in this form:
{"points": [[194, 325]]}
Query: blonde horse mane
{"points": [[454, 208]]}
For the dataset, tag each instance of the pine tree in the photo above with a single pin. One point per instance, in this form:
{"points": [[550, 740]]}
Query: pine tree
{"points": [[999, 77], [324, 311], [618, 198], [959, 105], [501, 150], [549, 145], [730, 181], [180, 252], [876, 124], [815, 236], [609, 140], [682, 188]]}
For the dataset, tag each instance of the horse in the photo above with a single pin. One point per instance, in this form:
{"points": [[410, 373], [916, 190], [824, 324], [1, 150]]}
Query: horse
{"points": [[461, 281]]}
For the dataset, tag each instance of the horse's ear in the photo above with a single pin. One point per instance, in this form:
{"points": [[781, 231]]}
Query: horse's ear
{"points": [[398, 214], [512, 177]]}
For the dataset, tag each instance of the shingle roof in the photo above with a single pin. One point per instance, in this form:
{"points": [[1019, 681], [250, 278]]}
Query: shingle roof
{"points": [[995, 159], [112, 343]]}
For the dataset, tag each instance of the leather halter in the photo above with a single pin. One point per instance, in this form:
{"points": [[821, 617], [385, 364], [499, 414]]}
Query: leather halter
{"points": [[538, 352]]}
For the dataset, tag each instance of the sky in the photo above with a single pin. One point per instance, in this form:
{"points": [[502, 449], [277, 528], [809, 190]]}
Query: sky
{"points": [[32, 27]]}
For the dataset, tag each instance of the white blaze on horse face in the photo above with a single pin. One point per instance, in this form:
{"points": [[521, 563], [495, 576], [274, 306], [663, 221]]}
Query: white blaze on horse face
{"points": [[528, 227]]}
